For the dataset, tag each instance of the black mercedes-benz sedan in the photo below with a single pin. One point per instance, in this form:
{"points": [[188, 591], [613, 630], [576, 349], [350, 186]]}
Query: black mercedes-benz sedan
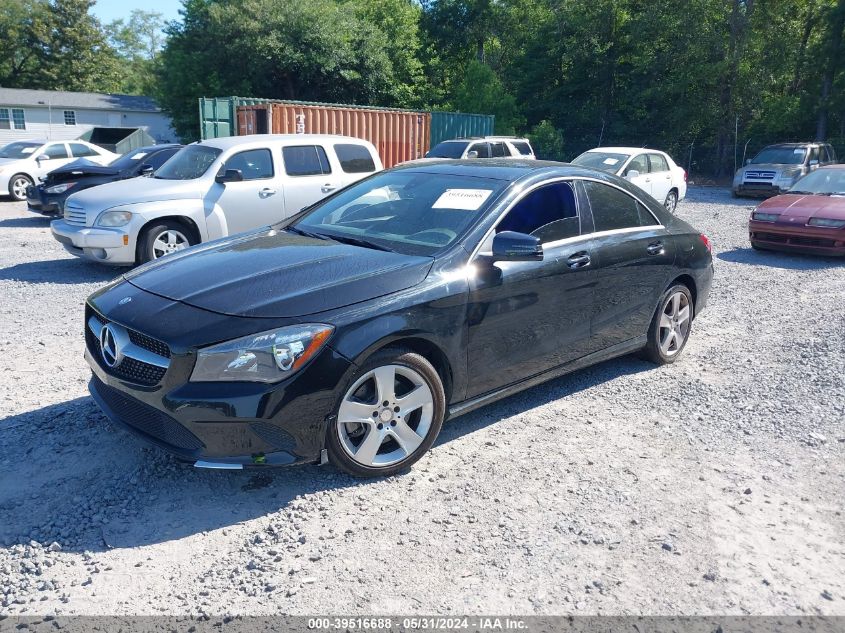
{"points": [[48, 197], [353, 329]]}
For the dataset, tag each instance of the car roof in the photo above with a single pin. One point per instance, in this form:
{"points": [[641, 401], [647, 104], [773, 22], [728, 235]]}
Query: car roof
{"points": [[497, 169], [795, 144], [155, 148], [626, 150], [226, 142]]}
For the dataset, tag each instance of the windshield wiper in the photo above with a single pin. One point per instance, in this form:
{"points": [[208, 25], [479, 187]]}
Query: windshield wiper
{"points": [[358, 241], [804, 193], [298, 231]]}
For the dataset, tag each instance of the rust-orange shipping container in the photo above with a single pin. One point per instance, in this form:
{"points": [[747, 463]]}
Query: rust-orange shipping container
{"points": [[398, 135]]}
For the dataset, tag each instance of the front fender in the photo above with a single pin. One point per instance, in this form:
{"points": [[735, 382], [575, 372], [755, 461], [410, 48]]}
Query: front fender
{"points": [[190, 208]]}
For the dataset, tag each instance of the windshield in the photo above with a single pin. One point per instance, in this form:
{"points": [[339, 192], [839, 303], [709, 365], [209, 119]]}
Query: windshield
{"points": [[822, 181], [19, 150], [780, 156], [410, 212], [449, 149], [605, 161], [130, 159], [188, 163]]}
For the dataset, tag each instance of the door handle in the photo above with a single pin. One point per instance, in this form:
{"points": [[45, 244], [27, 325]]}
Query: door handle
{"points": [[579, 260], [655, 248], [328, 188], [266, 192]]}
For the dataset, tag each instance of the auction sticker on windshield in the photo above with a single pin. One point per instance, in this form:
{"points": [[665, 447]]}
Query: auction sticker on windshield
{"points": [[610, 161], [466, 199]]}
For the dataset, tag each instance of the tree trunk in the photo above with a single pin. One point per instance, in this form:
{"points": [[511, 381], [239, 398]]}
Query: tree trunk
{"points": [[807, 31], [834, 50]]}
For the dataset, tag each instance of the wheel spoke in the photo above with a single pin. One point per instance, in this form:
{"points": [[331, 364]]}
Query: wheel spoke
{"points": [[367, 450], [666, 340], [683, 315], [406, 436], [676, 303], [385, 378], [351, 411], [665, 321], [409, 403]]}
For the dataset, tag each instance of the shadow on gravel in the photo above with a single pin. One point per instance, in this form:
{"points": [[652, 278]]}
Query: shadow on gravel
{"points": [[776, 259], [67, 475], [35, 222], [59, 271]]}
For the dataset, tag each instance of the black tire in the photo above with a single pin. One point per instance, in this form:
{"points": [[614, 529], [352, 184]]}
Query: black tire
{"points": [[757, 247], [147, 250], [735, 194], [338, 447], [653, 350], [16, 190], [671, 201]]}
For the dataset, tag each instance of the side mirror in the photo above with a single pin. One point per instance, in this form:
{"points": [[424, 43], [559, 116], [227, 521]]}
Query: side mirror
{"points": [[814, 163], [510, 246], [230, 175], [472, 154], [747, 161], [145, 170], [632, 173], [41, 157]]}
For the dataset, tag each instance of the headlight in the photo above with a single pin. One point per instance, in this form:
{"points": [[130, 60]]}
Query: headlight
{"points": [[789, 174], [59, 188], [827, 223], [114, 218], [266, 357], [765, 217]]}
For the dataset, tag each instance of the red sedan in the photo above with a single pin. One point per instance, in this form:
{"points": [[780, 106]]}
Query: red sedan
{"points": [[810, 218]]}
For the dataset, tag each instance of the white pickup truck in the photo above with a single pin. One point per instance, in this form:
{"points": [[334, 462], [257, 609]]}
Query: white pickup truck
{"points": [[209, 190]]}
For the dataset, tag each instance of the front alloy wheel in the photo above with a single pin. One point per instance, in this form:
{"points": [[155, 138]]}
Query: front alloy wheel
{"points": [[389, 416], [18, 186]]}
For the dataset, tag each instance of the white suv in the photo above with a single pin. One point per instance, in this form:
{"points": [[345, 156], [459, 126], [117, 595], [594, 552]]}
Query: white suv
{"points": [[24, 163], [483, 147], [209, 190]]}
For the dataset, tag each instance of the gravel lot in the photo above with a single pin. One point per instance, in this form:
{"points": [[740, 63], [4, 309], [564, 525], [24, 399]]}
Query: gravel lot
{"points": [[712, 486]]}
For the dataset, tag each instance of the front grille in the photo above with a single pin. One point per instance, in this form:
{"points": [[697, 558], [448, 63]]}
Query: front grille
{"points": [[795, 240], [130, 369], [75, 215], [760, 175], [146, 419]]}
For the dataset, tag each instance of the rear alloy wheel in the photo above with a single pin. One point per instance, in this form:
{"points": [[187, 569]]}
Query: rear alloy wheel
{"points": [[389, 416], [163, 239], [18, 184], [671, 325], [671, 201]]}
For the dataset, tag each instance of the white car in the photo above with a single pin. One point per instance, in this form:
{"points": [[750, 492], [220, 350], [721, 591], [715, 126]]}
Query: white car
{"points": [[24, 163], [649, 169], [209, 190], [483, 147]]}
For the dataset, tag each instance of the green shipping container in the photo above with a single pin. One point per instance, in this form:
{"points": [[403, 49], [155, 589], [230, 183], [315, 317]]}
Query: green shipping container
{"points": [[449, 125], [218, 115]]}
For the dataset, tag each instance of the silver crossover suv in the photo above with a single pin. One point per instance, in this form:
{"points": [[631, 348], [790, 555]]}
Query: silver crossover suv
{"points": [[776, 168]]}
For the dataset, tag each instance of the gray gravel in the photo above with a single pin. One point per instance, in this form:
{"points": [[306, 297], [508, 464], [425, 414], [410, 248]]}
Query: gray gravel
{"points": [[711, 486]]}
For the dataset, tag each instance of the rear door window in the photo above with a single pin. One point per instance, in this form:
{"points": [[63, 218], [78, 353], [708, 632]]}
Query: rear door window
{"points": [[306, 160], [354, 159], [254, 164], [79, 150], [549, 212], [814, 154], [614, 209], [658, 163], [499, 150]]}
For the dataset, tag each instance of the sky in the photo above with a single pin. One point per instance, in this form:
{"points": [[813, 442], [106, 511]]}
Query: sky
{"points": [[108, 10]]}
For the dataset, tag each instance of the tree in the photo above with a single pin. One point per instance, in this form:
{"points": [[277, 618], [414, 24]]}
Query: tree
{"points": [[481, 91], [137, 43]]}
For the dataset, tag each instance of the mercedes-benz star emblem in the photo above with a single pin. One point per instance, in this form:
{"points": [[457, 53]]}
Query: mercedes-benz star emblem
{"points": [[124, 301], [108, 346]]}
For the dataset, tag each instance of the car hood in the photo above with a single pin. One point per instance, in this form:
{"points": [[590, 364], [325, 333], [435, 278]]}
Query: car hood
{"points": [[270, 273], [768, 167], [135, 191], [805, 207], [4, 162], [83, 167]]}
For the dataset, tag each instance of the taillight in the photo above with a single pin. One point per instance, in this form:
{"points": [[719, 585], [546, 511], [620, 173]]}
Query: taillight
{"points": [[685, 175], [706, 241]]}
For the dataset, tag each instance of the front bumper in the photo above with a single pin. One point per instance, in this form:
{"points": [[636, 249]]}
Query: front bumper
{"points": [[250, 424], [759, 189], [38, 201], [110, 246], [804, 239]]}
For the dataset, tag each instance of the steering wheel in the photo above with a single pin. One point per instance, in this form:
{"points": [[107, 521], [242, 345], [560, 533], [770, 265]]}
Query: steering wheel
{"points": [[447, 233]]}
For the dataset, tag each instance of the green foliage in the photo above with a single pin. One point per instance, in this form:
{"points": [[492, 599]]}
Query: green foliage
{"points": [[480, 90], [137, 43], [56, 45], [547, 141]]}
